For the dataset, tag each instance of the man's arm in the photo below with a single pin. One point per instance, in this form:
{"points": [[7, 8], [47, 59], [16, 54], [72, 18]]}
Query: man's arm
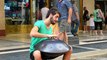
{"points": [[77, 16], [69, 8], [102, 14], [69, 15], [34, 33], [76, 11]]}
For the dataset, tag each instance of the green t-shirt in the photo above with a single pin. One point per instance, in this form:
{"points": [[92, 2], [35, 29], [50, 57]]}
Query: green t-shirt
{"points": [[43, 30], [96, 19]]}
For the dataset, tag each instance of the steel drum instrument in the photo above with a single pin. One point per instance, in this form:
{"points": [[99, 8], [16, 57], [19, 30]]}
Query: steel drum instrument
{"points": [[52, 48]]}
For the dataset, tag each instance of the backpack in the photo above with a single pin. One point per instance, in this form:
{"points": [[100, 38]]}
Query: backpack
{"points": [[87, 17], [98, 14]]}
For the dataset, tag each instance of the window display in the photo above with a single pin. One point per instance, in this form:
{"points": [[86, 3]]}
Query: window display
{"points": [[15, 9]]}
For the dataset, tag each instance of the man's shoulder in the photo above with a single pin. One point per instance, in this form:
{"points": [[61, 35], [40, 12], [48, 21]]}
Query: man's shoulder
{"points": [[44, 8], [39, 21]]}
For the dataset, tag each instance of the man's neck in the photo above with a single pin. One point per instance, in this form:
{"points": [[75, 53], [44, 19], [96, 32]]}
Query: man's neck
{"points": [[47, 22]]}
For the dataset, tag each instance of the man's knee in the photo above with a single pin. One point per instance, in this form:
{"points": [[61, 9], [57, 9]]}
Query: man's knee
{"points": [[70, 51], [37, 55]]}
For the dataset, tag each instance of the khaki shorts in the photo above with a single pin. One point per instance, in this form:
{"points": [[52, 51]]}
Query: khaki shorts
{"points": [[63, 26]]}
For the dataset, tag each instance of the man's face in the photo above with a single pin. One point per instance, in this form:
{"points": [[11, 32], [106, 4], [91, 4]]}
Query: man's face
{"points": [[54, 19]]}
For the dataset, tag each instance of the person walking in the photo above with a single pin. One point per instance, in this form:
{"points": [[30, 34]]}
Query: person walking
{"points": [[44, 11], [75, 19], [85, 19], [42, 31], [38, 15], [98, 19], [65, 9], [106, 20]]}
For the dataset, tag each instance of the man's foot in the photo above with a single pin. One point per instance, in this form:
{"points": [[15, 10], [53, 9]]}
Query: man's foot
{"points": [[75, 34]]}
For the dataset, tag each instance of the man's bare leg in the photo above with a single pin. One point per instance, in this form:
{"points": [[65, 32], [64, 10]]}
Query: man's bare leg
{"points": [[60, 36], [67, 55], [37, 55], [66, 37], [63, 36]]}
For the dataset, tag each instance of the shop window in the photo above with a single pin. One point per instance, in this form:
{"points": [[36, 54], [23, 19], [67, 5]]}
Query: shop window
{"points": [[16, 12]]}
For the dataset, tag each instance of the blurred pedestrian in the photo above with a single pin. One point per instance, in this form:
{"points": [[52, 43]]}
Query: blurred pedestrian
{"points": [[85, 19], [75, 19], [44, 11], [98, 19], [92, 25], [38, 15], [65, 8], [106, 20]]}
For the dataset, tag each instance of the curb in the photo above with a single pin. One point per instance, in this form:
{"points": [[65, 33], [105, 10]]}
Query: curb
{"points": [[14, 48]]}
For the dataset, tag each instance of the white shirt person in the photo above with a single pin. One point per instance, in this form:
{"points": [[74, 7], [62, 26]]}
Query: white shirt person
{"points": [[44, 11]]}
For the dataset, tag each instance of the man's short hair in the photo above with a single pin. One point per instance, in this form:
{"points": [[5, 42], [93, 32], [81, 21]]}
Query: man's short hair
{"points": [[53, 11]]}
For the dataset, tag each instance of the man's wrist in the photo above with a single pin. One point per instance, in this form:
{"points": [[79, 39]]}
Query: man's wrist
{"points": [[47, 36]]}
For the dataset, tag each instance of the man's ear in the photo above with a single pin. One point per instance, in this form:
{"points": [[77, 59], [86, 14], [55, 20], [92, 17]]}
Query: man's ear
{"points": [[50, 15]]}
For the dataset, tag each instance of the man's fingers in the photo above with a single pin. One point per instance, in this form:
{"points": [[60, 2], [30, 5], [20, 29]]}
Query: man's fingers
{"points": [[52, 36]]}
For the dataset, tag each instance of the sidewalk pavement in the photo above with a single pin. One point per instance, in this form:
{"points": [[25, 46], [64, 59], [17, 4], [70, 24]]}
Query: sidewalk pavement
{"points": [[14, 41], [22, 41]]}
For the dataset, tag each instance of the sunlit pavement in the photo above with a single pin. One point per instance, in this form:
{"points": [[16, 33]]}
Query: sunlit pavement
{"points": [[89, 47]]}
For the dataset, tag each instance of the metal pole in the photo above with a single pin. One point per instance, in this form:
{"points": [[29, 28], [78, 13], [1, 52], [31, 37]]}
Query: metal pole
{"points": [[81, 13], [31, 15]]}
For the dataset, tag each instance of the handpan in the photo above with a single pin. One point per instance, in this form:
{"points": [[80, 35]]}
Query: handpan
{"points": [[52, 48]]}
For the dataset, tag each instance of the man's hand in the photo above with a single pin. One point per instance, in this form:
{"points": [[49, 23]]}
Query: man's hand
{"points": [[51, 36], [69, 21]]}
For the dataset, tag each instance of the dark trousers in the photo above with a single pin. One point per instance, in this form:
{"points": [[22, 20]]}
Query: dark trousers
{"points": [[74, 26], [98, 25]]}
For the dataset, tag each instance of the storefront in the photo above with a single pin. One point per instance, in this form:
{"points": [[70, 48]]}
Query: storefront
{"points": [[17, 16], [20, 15]]}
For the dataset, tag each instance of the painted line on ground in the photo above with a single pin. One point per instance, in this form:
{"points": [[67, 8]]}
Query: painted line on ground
{"points": [[82, 42], [15, 51], [87, 48]]}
